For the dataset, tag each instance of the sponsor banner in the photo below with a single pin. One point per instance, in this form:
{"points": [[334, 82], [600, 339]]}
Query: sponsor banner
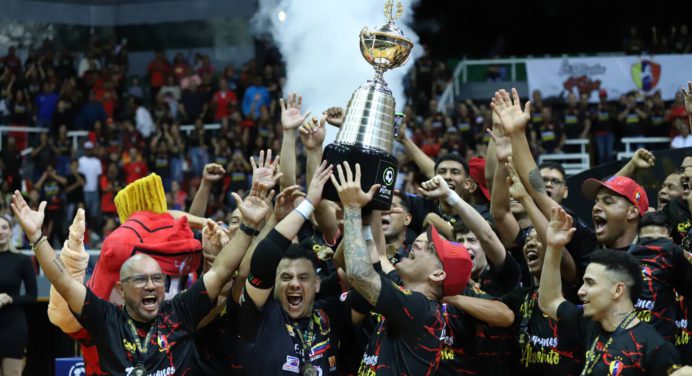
{"points": [[618, 75]]}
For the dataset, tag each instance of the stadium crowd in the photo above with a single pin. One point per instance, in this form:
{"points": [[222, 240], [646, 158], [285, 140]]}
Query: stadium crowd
{"points": [[476, 269]]}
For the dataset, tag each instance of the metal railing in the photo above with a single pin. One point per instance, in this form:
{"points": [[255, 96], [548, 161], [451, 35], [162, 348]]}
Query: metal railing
{"points": [[573, 163], [631, 142]]}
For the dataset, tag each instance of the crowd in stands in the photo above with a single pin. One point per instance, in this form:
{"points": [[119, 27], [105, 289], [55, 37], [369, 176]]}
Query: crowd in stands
{"points": [[134, 125], [676, 40]]}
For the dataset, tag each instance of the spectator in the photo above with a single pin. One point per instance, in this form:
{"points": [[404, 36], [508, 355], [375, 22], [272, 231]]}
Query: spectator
{"points": [[134, 166], [50, 187], [12, 163], [199, 142], [603, 119], [143, 121], [44, 154], [11, 61], [632, 117], [255, 97], [180, 67], [46, 103], [74, 191], [135, 90], [20, 108], [682, 44], [632, 44], [171, 88], [110, 184], [223, 101], [158, 69], [90, 113], [684, 138], [90, 167], [550, 135], [194, 102]]}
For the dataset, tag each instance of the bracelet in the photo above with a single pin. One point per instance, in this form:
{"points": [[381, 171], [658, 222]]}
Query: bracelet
{"points": [[453, 199], [32, 244], [40, 240], [248, 230], [305, 209], [673, 368], [367, 233]]}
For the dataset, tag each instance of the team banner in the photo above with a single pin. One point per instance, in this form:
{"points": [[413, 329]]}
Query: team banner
{"points": [[617, 75]]}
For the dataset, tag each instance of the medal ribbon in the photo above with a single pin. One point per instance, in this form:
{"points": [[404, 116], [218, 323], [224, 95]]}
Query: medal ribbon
{"points": [[141, 348], [306, 339], [592, 357]]}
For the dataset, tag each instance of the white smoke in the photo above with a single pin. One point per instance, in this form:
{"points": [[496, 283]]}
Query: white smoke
{"points": [[319, 42]]}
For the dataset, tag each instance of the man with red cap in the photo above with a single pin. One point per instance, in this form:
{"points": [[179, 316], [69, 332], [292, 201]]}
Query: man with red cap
{"points": [[407, 336]]}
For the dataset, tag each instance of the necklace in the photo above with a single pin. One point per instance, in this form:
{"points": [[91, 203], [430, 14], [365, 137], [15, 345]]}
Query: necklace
{"points": [[141, 348], [592, 357]]}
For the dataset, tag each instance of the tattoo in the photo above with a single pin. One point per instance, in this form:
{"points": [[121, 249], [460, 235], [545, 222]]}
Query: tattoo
{"points": [[536, 180], [58, 263], [618, 313], [359, 269]]}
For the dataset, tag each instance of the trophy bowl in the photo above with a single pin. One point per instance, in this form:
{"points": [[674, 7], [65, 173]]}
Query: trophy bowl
{"points": [[385, 48]]}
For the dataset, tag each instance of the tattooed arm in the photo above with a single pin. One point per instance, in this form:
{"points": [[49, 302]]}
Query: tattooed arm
{"points": [[514, 122], [72, 291], [359, 269]]}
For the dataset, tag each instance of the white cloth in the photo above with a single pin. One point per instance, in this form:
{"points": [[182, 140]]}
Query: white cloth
{"points": [[144, 123], [91, 168], [681, 142]]}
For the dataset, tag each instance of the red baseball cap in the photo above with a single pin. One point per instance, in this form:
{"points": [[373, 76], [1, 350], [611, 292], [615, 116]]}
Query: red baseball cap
{"points": [[456, 262], [621, 185], [477, 173]]}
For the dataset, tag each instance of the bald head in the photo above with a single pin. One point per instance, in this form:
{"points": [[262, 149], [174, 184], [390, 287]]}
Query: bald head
{"points": [[137, 264]]}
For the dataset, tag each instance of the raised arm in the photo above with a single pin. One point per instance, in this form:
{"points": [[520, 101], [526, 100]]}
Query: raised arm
{"points": [[424, 163], [254, 208], [291, 119], [31, 221], [687, 96], [505, 222], [514, 122], [212, 173], [560, 232], [361, 274], [641, 159], [493, 248]]}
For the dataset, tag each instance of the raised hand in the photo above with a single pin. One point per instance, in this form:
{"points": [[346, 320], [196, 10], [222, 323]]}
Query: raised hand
{"points": [[286, 201], [30, 220], [312, 133], [76, 237], [213, 172], [643, 159], [214, 238], [256, 206], [503, 145], [265, 171], [516, 187], [320, 177], [513, 119], [560, 229], [335, 116], [5, 299], [436, 187], [291, 117], [349, 189], [687, 96]]}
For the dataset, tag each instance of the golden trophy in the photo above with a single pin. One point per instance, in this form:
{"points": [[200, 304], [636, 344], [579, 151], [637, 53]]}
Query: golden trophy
{"points": [[367, 133]]}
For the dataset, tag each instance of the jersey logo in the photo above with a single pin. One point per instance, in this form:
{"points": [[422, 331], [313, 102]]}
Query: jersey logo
{"points": [[402, 289], [163, 343], [616, 368]]}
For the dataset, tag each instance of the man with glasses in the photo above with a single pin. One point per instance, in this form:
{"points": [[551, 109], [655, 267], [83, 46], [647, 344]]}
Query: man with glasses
{"points": [[554, 179], [146, 335]]}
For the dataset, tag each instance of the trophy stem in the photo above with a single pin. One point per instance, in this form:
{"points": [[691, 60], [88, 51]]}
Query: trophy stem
{"points": [[379, 76]]}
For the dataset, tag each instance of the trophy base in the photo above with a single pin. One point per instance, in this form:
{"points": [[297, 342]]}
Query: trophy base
{"points": [[376, 167]]}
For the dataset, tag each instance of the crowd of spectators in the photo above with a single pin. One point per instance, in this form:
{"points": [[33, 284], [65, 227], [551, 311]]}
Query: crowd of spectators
{"points": [[134, 126], [676, 41]]}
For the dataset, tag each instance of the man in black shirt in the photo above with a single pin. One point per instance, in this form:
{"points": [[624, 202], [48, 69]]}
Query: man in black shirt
{"points": [[407, 337], [146, 334], [616, 342]]}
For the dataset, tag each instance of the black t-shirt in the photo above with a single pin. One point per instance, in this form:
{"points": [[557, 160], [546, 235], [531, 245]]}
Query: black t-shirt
{"points": [[517, 252], [550, 135], [499, 281], [573, 121], [406, 340], [583, 242], [682, 336], [77, 194], [458, 354], [639, 350], [632, 125], [171, 349], [546, 346], [680, 218], [278, 349], [220, 349], [664, 267]]}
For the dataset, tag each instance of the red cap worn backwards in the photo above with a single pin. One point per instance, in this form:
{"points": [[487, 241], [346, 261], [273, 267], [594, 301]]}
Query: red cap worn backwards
{"points": [[456, 262], [477, 173], [621, 185]]}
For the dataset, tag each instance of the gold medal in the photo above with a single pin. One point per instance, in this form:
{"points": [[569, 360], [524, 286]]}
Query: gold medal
{"points": [[139, 371], [309, 370]]}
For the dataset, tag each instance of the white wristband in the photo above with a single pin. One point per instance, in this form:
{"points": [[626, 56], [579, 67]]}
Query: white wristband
{"points": [[367, 233], [305, 209], [453, 199]]}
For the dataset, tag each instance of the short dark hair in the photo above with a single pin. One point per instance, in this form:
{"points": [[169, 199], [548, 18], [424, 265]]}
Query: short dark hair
{"points": [[460, 228], [299, 251], [456, 158], [655, 219], [623, 264], [405, 200], [553, 166]]}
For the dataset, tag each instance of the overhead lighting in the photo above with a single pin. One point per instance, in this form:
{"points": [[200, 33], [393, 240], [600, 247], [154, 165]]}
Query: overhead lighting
{"points": [[282, 16]]}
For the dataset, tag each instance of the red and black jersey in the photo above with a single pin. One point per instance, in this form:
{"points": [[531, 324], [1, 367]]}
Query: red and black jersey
{"points": [[682, 335], [664, 270], [406, 340], [639, 350], [171, 349], [545, 346]]}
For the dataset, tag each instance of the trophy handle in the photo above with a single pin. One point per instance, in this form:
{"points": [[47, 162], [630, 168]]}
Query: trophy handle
{"points": [[362, 38]]}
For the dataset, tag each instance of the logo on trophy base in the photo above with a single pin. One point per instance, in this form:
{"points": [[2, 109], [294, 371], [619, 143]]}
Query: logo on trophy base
{"points": [[367, 133]]}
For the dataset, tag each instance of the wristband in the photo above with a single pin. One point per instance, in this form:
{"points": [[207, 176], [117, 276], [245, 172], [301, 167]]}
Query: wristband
{"points": [[40, 240], [367, 233], [453, 199], [305, 209], [248, 230]]}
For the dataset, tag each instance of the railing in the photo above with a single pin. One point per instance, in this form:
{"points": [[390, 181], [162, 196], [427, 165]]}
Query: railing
{"points": [[30, 253], [76, 135], [636, 141], [573, 163]]}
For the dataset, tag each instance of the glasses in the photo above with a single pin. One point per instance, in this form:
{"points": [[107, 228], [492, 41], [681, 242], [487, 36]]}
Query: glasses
{"points": [[141, 280], [554, 181]]}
